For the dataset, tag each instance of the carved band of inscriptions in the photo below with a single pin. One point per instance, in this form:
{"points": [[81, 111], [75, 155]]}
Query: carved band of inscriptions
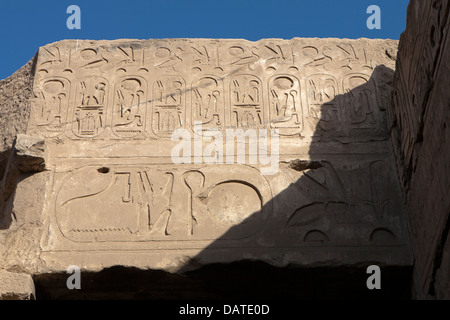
{"points": [[144, 91], [331, 109], [148, 203]]}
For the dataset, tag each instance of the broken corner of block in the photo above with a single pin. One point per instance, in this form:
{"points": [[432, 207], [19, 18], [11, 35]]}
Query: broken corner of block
{"points": [[16, 286], [30, 153]]}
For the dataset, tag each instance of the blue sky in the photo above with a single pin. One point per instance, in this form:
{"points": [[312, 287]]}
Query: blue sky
{"points": [[27, 25]]}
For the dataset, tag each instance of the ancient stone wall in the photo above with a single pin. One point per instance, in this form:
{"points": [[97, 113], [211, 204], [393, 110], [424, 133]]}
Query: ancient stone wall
{"points": [[103, 115], [419, 121], [15, 94]]}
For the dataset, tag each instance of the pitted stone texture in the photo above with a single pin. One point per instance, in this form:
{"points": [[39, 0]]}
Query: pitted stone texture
{"points": [[16, 286], [15, 95]]}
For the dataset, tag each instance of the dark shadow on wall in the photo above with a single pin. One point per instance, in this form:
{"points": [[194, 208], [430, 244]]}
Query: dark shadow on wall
{"points": [[339, 197], [9, 176], [340, 213]]}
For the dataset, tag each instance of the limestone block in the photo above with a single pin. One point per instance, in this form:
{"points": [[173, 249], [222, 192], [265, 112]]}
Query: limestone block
{"points": [[16, 286]]}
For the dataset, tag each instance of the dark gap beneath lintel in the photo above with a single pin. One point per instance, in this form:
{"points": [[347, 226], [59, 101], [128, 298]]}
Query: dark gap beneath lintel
{"points": [[237, 280]]}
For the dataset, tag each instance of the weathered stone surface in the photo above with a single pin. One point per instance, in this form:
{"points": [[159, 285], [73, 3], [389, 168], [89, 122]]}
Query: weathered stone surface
{"points": [[27, 156], [29, 153], [15, 94], [21, 232], [16, 286], [113, 195], [419, 120]]}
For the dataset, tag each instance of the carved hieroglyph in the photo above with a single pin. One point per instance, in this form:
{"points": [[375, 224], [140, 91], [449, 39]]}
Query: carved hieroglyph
{"points": [[107, 110]]}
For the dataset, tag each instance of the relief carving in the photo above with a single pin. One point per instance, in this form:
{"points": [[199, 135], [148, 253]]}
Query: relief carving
{"points": [[361, 102], [246, 102], [149, 203], [322, 89], [90, 107], [286, 112], [168, 59], [205, 58], [130, 105], [110, 111], [238, 57], [343, 198], [208, 102], [51, 104], [168, 105]]}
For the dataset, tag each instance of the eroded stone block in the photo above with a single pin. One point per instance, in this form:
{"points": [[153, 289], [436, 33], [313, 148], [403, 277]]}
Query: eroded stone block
{"points": [[16, 286], [29, 153]]}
